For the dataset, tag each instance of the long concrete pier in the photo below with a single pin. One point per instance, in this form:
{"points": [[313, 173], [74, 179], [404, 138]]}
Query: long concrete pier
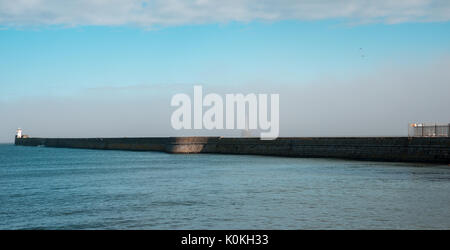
{"points": [[397, 149]]}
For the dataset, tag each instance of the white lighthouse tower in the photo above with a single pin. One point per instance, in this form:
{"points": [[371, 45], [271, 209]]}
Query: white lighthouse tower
{"points": [[19, 133]]}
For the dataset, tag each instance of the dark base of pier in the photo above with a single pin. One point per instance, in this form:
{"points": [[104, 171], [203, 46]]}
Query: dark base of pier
{"points": [[399, 149]]}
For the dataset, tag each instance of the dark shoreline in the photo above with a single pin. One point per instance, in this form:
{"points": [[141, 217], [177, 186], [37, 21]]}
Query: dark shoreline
{"points": [[389, 149]]}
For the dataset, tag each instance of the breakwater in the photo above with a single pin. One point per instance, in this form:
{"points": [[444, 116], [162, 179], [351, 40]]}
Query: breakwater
{"points": [[400, 149]]}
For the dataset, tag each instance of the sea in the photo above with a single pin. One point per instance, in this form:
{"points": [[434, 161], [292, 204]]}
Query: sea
{"points": [[60, 188]]}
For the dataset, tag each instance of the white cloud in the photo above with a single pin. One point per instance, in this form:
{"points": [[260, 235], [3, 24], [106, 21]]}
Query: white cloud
{"points": [[178, 12]]}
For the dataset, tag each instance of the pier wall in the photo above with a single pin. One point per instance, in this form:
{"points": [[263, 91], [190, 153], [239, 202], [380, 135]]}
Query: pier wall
{"points": [[401, 149], [136, 144]]}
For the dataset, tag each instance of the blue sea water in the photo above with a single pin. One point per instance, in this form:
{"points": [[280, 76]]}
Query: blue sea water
{"points": [[57, 188]]}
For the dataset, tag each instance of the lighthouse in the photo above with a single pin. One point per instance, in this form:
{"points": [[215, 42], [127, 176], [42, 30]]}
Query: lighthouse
{"points": [[19, 133]]}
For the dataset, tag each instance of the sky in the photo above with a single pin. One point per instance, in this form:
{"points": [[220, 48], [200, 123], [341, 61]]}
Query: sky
{"points": [[110, 68]]}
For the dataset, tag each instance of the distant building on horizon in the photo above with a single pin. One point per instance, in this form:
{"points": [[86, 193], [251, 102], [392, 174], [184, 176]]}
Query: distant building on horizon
{"points": [[19, 133]]}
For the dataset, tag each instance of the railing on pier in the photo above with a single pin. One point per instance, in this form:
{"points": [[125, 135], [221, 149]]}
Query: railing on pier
{"points": [[429, 130]]}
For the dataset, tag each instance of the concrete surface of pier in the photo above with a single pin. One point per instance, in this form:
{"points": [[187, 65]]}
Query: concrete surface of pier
{"points": [[400, 149]]}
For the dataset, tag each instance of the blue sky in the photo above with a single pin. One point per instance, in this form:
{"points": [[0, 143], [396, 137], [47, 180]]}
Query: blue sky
{"points": [[64, 61], [66, 55]]}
